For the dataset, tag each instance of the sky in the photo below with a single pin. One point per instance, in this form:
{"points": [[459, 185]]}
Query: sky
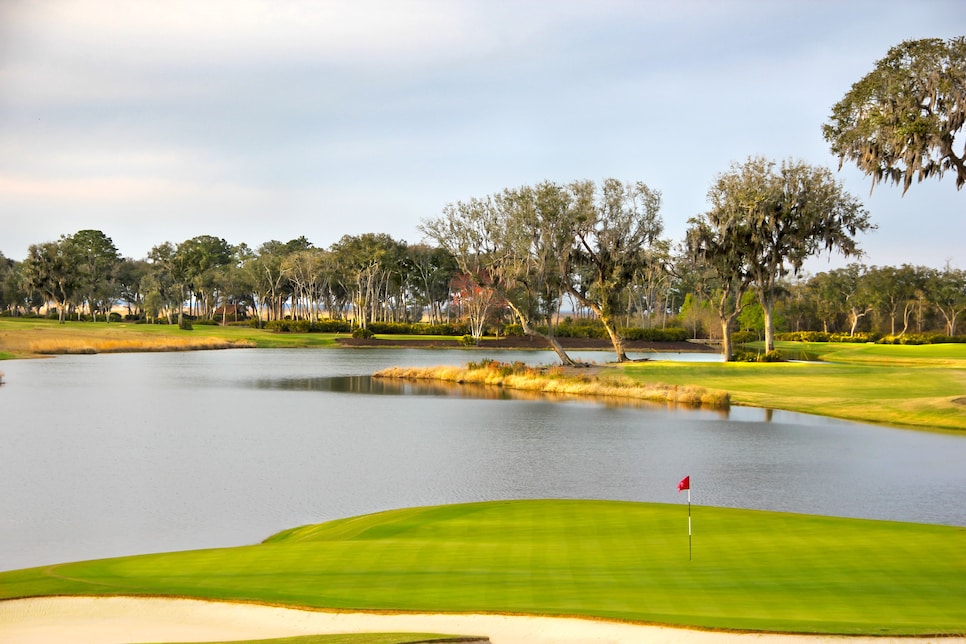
{"points": [[251, 120]]}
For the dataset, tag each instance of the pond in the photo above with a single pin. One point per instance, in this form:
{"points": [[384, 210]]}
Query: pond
{"points": [[121, 454]]}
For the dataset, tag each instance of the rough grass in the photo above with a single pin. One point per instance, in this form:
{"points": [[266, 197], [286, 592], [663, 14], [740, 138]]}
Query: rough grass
{"points": [[21, 337], [750, 570], [554, 381]]}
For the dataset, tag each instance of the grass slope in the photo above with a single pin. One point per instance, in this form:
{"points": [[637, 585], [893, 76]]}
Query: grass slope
{"points": [[913, 386], [750, 570]]}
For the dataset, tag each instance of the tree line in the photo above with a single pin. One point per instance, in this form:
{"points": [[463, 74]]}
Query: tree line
{"points": [[529, 257], [522, 254]]}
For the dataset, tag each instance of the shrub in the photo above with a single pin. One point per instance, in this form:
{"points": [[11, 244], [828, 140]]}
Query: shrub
{"points": [[858, 338], [185, 324], [513, 330], [804, 336], [744, 356], [743, 337], [362, 332], [671, 334], [948, 339], [307, 326]]}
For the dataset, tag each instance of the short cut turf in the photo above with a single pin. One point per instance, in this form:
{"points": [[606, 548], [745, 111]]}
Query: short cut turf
{"points": [[750, 569]]}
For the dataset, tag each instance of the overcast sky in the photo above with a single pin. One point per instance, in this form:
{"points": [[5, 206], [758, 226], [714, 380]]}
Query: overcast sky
{"points": [[157, 121]]}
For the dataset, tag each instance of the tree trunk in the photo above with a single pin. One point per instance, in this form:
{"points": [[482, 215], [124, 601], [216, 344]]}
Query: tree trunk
{"points": [[531, 332], [615, 339], [726, 339], [769, 331]]}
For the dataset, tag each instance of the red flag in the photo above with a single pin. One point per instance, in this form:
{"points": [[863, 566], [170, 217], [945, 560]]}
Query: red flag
{"points": [[685, 483]]}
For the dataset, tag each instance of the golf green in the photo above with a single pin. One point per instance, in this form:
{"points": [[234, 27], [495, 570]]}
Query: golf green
{"points": [[747, 569]]}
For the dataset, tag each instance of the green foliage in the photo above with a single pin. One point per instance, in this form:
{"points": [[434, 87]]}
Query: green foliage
{"points": [[804, 336], [597, 331], [362, 332], [405, 328], [744, 337], [308, 326], [918, 338], [898, 122], [744, 355], [670, 334], [185, 324], [581, 330]]}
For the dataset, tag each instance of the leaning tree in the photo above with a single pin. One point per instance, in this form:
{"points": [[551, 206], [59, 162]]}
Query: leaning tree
{"points": [[900, 121]]}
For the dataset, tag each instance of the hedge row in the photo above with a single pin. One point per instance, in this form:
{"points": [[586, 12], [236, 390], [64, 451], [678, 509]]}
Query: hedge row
{"points": [[309, 326], [915, 338], [673, 334], [382, 328]]}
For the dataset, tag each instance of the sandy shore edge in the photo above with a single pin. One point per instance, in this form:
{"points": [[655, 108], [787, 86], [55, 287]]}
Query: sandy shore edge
{"points": [[108, 620]]}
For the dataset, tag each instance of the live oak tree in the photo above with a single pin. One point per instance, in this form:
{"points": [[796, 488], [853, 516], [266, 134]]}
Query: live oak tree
{"points": [[900, 121], [615, 228], [98, 262], [51, 269], [776, 218], [499, 240], [947, 291], [511, 242], [847, 292], [720, 260], [202, 258], [894, 293]]}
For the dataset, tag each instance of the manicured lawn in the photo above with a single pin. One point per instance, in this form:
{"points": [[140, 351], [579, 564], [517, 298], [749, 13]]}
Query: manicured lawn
{"points": [[750, 569], [914, 386]]}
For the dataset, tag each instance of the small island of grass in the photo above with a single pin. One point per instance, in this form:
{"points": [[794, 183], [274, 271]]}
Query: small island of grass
{"points": [[561, 381]]}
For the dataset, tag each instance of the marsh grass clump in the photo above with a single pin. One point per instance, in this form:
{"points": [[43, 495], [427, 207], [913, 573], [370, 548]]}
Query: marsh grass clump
{"points": [[84, 345], [555, 380]]}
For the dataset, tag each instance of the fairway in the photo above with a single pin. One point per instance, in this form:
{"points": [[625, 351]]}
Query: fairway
{"points": [[750, 570], [921, 387]]}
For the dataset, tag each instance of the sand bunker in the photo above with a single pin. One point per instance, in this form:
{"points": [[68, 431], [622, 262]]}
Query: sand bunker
{"points": [[129, 619]]}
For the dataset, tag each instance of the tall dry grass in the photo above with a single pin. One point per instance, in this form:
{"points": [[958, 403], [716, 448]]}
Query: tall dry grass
{"points": [[52, 343], [554, 380]]}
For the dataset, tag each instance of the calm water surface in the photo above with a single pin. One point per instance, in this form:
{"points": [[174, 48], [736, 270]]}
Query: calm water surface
{"points": [[121, 454]]}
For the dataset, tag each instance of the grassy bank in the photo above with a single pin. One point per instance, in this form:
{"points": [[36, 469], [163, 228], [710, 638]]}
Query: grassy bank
{"points": [[30, 337], [912, 386], [750, 569], [555, 381]]}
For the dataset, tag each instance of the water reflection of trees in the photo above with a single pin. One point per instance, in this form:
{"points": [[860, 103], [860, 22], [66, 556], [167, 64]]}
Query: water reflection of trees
{"points": [[441, 389]]}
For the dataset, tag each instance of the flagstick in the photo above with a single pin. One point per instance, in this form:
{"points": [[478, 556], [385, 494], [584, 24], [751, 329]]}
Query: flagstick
{"points": [[689, 523]]}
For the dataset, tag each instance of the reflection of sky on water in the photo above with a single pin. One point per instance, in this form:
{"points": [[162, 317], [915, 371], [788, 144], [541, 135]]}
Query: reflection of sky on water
{"points": [[129, 453]]}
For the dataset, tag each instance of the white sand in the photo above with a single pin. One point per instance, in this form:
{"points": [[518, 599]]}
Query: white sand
{"points": [[128, 619]]}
